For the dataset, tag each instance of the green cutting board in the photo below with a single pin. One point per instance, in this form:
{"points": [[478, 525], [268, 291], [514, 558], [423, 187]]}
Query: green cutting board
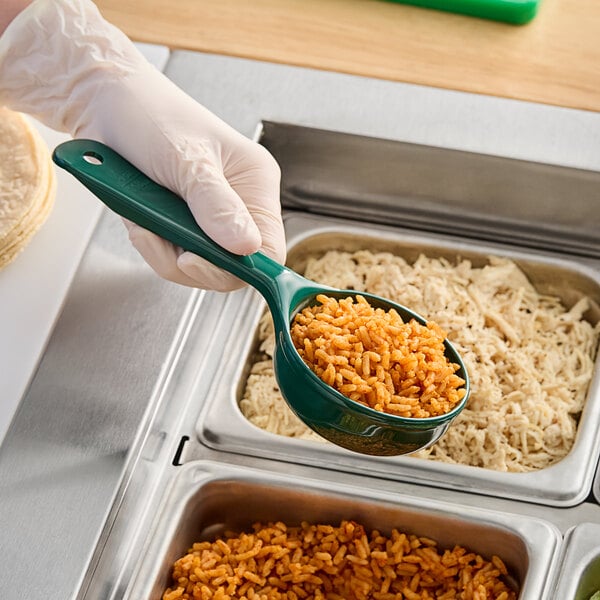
{"points": [[510, 11]]}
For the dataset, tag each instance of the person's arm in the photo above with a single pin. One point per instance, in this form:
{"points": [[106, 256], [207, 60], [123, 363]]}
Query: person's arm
{"points": [[9, 9], [61, 62]]}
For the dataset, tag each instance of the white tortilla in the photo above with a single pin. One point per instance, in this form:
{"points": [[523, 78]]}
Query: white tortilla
{"points": [[27, 183]]}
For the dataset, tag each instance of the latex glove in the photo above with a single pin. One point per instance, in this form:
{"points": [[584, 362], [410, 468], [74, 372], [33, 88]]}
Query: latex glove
{"points": [[61, 62]]}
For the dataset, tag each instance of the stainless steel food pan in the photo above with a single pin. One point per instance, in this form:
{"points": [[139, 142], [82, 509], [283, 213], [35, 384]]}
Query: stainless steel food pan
{"points": [[222, 426], [207, 498], [579, 571]]}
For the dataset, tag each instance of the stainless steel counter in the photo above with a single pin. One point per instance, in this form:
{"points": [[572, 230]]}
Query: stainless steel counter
{"points": [[98, 436]]}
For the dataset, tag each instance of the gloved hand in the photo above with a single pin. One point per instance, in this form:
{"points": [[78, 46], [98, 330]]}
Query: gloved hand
{"points": [[61, 62]]}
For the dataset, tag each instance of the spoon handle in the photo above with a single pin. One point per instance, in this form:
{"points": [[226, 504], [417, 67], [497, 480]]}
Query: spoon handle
{"points": [[133, 195]]}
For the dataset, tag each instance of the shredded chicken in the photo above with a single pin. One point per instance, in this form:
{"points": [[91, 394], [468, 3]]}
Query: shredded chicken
{"points": [[529, 358]]}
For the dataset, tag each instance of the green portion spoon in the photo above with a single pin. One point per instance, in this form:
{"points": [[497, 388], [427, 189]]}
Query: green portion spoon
{"points": [[130, 193]]}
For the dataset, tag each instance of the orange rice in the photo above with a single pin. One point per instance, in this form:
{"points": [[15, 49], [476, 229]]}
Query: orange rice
{"points": [[373, 357], [323, 562]]}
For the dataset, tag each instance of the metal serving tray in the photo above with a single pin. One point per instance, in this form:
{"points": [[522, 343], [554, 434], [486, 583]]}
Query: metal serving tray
{"points": [[580, 563], [222, 426], [207, 498]]}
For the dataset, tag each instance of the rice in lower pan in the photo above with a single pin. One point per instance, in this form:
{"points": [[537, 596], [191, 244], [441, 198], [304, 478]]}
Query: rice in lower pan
{"points": [[325, 562]]}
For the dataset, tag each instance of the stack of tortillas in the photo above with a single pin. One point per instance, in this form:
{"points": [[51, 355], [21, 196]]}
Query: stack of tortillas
{"points": [[27, 183]]}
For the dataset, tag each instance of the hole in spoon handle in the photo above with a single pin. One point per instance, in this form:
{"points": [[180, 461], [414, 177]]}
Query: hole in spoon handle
{"points": [[133, 195]]}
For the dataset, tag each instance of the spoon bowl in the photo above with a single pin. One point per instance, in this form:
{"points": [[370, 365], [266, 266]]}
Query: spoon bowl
{"points": [[346, 423]]}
